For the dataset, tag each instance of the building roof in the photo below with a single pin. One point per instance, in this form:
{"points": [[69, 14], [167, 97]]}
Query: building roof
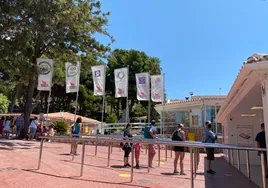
{"points": [[70, 117], [194, 99], [242, 80]]}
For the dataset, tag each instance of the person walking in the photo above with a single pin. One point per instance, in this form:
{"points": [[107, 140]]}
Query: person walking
{"points": [[76, 132], [127, 146], [179, 135], [261, 143], [210, 137], [150, 133], [7, 127], [33, 128], [19, 125]]}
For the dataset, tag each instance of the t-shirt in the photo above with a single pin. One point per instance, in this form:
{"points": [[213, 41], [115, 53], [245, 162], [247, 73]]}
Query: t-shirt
{"points": [[76, 129], [209, 136], [34, 124], [19, 121], [261, 139], [147, 131]]}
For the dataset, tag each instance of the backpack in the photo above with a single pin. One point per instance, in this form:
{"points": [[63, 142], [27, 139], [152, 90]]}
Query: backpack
{"points": [[176, 136], [147, 131]]}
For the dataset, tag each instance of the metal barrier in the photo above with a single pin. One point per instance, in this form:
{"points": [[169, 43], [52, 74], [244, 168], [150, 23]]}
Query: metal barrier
{"points": [[193, 147]]}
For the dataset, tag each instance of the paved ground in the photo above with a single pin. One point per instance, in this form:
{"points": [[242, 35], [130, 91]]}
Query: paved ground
{"points": [[18, 161]]}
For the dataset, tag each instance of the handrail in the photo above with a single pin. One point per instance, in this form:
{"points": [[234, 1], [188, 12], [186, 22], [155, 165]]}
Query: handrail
{"points": [[154, 141]]}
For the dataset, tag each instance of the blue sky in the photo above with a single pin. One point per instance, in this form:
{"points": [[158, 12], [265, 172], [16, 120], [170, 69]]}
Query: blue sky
{"points": [[202, 44]]}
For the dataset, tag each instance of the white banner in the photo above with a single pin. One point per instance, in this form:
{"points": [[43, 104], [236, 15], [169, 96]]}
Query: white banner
{"points": [[72, 77], [143, 86], [99, 75], [45, 72], [157, 88], [121, 82]]}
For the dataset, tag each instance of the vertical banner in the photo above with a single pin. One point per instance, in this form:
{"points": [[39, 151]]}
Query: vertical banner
{"points": [[157, 88], [72, 77], [121, 82], [45, 72], [143, 86], [99, 75]]}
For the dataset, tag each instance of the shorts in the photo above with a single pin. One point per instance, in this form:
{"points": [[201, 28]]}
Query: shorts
{"points": [[19, 128], [75, 136], [210, 154], [179, 148]]}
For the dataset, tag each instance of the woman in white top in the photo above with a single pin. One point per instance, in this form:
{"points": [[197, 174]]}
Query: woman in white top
{"points": [[33, 128], [7, 127]]}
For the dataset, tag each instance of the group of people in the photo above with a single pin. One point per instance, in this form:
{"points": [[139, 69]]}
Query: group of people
{"points": [[150, 132], [9, 124]]}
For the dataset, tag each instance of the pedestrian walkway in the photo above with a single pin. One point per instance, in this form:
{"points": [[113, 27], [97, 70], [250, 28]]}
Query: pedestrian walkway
{"points": [[19, 162]]}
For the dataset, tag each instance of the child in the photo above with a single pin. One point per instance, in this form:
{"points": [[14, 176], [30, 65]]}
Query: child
{"points": [[137, 148], [51, 131], [7, 127]]}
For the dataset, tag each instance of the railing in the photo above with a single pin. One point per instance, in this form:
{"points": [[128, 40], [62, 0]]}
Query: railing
{"points": [[193, 147]]}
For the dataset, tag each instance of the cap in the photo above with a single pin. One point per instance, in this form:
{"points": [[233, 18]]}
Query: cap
{"points": [[208, 122], [180, 125]]}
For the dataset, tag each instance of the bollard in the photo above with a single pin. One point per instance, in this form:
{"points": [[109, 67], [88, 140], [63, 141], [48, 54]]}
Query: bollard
{"points": [[132, 164], [248, 165], [170, 151], [195, 161], [40, 154], [82, 159], [263, 170], [229, 156], [191, 166], [232, 157]]}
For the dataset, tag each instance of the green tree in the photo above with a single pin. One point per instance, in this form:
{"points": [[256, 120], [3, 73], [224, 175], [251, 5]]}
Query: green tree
{"points": [[111, 118], [4, 102], [32, 29], [138, 62]]}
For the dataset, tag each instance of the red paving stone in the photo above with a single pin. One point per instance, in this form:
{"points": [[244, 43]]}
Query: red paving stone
{"points": [[19, 163]]}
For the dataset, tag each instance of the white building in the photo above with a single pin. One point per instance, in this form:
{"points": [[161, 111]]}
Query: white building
{"points": [[193, 112], [245, 108]]}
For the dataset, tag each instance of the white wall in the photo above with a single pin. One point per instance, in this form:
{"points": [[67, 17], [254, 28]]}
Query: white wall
{"points": [[230, 136]]}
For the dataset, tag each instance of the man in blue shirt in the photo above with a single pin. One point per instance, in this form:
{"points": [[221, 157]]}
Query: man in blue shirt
{"points": [[210, 137], [261, 142]]}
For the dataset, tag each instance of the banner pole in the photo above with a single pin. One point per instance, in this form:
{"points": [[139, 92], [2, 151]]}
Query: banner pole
{"points": [[77, 92], [127, 107], [163, 101], [48, 105], [149, 100], [76, 104]]}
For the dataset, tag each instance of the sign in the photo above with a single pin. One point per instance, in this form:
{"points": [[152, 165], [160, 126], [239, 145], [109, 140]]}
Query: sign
{"points": [[121, 82], [99, 76], [45, 72], [245, 135], [143, 86], [72, 77], [157, 88]]}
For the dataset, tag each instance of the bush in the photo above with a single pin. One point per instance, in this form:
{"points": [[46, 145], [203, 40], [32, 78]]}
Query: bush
{"points": [[61, 127], [111, 118]]}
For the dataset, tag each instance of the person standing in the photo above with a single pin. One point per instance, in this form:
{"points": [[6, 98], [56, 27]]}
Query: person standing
{"points": [[179, 135], [19, 125], [261, 142], [127, 146], [150, 133], [2, 123], [7, 127], [210, 137], [76, 132], [33, 128]]}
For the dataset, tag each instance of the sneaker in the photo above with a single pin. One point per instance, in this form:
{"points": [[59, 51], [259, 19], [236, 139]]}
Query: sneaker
{"points": [[175, 172], [137, 166], [128, 165], [212, 171], [182, 173], [151, 166], [209, 172]]}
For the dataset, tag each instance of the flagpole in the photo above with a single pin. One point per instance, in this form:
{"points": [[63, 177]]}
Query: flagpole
{"points": [[48, 105], [163, 100], [149, 100], [77, 92], [127, 110]]}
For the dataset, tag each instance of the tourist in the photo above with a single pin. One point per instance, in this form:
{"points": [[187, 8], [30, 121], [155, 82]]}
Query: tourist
{"points": [[210, 137], [51, 131], [33, 128], [150, 133], [179, 135], [137, 148], [19, 125], [76, 129], [127, 147], [7, 127], [2, 123], [261, 142]]}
